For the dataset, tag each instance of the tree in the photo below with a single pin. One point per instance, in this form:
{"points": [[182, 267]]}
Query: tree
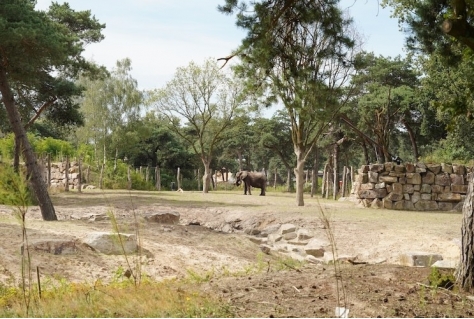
{"points": [[36, 47], [108, 104], [206, 99], [455, 18], [435, 23], [385, 105], [300, 53]]}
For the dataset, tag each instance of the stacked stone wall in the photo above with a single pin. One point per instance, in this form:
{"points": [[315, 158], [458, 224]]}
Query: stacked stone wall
{"points": [[417, 187], [58, 175]]}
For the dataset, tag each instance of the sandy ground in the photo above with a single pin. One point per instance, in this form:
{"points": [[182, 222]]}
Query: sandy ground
{"points": [[211, 236]]}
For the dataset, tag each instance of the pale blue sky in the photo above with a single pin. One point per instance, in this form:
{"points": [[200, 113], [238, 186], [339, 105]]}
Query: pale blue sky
{"points": [[162, 35]]}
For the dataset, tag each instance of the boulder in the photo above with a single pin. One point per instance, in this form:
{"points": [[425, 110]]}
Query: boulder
{"points": [[55, 246], [419, 259], [315, 247], [162, 217], [287, 228], [111, 244]]}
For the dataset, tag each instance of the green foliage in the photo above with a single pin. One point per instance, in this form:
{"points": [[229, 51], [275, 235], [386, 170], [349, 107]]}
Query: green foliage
{"points": [[441, 280], [7, 146], [54, 147], [152, 299], [13, 188]]}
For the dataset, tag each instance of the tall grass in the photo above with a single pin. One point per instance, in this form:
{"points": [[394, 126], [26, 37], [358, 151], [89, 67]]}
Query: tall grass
{"points": [[122, 299]]}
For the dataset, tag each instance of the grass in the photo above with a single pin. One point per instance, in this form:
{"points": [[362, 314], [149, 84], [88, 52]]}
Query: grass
{"points": [[118, 299]]}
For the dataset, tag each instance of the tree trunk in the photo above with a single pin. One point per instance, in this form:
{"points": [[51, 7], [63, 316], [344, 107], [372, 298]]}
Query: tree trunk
{"points": [[466, 269], [34, 173], [288, 181], [79, 176], [66, 174], [158, 178], [206, 178], [199, 178], [299, 173], [336, 171], [414, 145], [16, 155], [314, 177]]}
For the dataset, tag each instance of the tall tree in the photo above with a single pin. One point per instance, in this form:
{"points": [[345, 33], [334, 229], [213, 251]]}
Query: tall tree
{"points": [[206, 99], [386, 101], [35, 46], [298, 52], [434, 24], [108, 104]]}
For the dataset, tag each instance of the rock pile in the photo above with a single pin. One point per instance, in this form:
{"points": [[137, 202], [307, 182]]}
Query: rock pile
{"points": [[420, 187]]}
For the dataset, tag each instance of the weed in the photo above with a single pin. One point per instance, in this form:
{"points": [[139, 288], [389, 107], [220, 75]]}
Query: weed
{"points": [[439, 280], [200, 278]]}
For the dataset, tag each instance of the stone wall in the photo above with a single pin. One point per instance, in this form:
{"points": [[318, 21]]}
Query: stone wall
{"points": [[58, 174], [420, 187]]}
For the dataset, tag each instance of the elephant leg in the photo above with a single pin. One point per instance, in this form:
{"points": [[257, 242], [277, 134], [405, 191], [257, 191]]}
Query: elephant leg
{"points": [[262, 193], [249, 187]]}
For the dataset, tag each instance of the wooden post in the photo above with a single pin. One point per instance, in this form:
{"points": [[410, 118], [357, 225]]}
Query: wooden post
{"points": [[288, 182], [275, 181], [212, 180], [79, 176], [88, 173], [178, 178], [323, 186], [158, 178], [49, 170], [327, 184], [199, 179], [129, 179], [101, 176], [66, 171], [306, 177], [344, 181]]}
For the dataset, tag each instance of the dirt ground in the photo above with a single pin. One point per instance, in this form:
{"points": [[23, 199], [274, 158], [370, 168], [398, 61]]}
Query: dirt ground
{"points": [[234, 269]]}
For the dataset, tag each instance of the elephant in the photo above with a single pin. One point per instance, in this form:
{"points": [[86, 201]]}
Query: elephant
{"points": [[253, 179]]}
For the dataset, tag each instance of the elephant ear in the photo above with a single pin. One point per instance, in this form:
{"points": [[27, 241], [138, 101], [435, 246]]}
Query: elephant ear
{"points": [[244, 174]]}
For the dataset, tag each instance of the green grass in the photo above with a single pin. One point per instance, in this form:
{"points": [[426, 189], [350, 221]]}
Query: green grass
{"points": [[117, 299]]}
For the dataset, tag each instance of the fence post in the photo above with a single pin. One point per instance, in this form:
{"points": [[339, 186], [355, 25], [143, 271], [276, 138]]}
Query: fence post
{"points": [[178, 179], [199, 178], [49, 170], [158, 178], [101, 177], [66, 172], [344, 181], [79, 177], [323, 186], [275, 180]]}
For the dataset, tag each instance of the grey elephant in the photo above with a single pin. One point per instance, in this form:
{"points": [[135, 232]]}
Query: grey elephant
{"points": [[253, 179]]}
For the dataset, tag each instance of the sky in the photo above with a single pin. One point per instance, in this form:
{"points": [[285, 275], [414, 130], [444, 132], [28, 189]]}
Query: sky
{"points": [[161, 35]]}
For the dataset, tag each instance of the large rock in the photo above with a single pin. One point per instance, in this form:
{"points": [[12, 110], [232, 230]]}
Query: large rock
{"points": [[112, 244], [315, 247], [55, 246], [287, 228], [419, 259], [162, 217]]}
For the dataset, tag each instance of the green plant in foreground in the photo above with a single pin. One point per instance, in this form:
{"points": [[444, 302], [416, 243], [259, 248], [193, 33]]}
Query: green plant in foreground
{"points": [[439, 280], [169, 298], [14, 190]]}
